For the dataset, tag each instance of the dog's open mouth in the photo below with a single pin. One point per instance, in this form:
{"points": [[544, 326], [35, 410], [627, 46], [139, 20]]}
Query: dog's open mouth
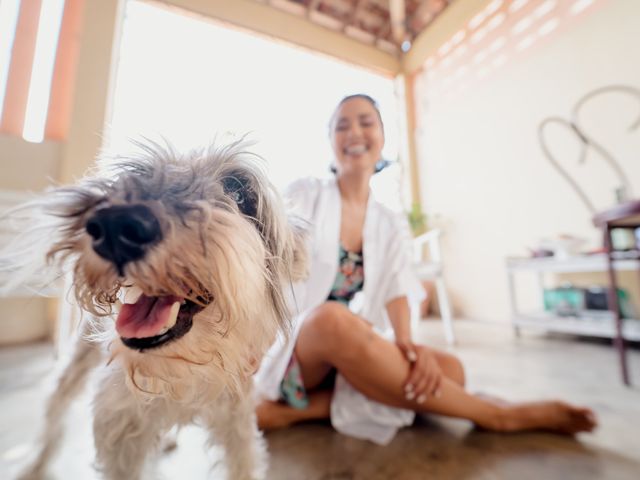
{"points": [[151, 322]]}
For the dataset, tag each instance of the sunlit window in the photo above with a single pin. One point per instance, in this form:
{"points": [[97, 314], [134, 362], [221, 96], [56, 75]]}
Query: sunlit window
{"points": [[189, 79], [42, 72]]}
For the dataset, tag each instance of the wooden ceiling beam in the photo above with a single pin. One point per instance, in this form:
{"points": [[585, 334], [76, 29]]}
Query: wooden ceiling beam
{"points": [[397, 18], [354, 14], [428, 7], [420, 12], [313, 6], [384, 31]]}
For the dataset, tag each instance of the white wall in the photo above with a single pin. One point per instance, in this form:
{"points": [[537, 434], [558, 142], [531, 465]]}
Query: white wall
{"points": [[483, 173], [27, 166]]}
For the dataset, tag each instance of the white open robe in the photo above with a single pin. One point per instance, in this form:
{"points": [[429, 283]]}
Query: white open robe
{"points": [[388, 274]]}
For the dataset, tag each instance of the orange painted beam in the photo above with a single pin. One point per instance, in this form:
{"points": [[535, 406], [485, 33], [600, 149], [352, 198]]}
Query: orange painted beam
{"points": [[64, 73], [24, 45]]}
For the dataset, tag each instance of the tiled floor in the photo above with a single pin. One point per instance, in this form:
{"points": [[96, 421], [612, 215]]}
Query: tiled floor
{"points": [[435, 448]]}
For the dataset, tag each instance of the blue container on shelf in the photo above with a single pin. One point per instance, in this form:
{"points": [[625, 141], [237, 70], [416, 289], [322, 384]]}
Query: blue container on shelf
{"points": [[568, 300]]}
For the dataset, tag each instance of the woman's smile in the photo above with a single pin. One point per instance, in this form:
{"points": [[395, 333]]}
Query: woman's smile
{"points": [[356, 149]]}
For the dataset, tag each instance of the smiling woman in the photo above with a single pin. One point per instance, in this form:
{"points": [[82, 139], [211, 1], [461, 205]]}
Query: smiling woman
{"points": [[352, 357]]}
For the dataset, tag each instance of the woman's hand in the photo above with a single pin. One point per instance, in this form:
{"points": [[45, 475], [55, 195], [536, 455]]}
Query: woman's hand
{"points": [[425, 375]]}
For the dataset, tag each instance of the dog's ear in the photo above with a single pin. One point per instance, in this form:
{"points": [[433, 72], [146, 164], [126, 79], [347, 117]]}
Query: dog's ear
{"points": [[299, 244]]}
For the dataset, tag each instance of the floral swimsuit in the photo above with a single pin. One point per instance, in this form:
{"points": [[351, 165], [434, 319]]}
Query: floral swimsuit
{"points": [[349, 281]]}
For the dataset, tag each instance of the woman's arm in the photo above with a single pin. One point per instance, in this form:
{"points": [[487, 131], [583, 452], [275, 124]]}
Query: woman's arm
{"points": [[425, 376], [400, 317]]}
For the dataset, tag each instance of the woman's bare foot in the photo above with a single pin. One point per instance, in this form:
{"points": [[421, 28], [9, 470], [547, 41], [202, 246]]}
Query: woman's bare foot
{"points": [[276, 415], [555, 416], [272, 415]]}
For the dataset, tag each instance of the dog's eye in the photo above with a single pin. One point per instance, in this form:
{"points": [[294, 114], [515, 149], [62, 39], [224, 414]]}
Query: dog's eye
{"points": [[237, 197], [234, 188]]}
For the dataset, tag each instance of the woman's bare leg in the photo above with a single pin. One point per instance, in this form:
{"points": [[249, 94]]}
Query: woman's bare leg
{"points": [[317, 367], [273, 415], [333, 336]]}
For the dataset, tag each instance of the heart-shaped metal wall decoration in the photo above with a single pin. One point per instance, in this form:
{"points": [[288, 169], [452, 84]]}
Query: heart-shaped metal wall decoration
{"points": [[587, 142]]}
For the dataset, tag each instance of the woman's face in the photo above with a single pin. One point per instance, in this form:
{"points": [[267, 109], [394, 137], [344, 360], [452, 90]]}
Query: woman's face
{"points": [[357, 136]]}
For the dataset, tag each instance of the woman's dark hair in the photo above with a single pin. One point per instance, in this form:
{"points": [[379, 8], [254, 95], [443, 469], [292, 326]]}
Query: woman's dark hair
{"points": [[382, 163], [363, 96]]}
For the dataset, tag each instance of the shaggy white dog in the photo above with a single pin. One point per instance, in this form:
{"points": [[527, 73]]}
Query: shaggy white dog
{"points": [[182, 264]]}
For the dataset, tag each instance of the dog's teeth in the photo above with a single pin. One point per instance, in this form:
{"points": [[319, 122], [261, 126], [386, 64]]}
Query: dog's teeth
{"points": [[132, 295], [173, 315]]}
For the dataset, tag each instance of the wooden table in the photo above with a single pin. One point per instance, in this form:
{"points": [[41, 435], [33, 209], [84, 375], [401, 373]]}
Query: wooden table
{"points": [[626, 215]]}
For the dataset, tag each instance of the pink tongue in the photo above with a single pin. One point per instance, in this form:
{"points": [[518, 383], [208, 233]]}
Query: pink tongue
{"points": [[146, 317]]}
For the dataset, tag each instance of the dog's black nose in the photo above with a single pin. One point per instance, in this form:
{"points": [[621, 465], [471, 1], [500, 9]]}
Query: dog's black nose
{"points": [[123, 233]]}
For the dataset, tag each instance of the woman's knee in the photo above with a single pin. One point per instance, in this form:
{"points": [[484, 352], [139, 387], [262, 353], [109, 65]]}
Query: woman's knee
{"points": [[331, 324], [326, 319]]}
